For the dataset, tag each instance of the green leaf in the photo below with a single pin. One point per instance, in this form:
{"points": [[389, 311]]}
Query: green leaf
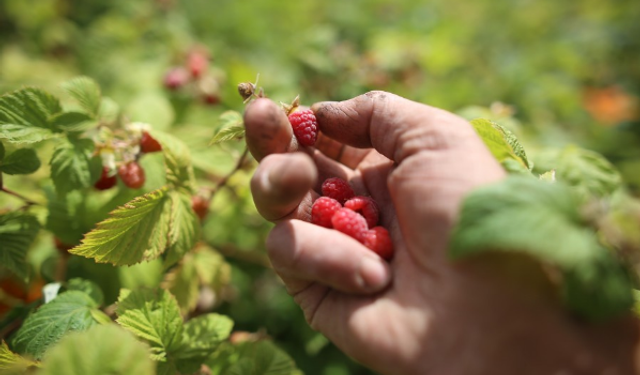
{"points": [[503, 145], [184, 228], [88, 287], [101, 350], [17, 232], [263, 358], [177, 159], [203, 266], [73, 166], [2, 151], [68, 217], [231, 126], [135, 232], [69, 311], [154, 316], [25, 115], [530, 216], [586, 171], [12, 363], [73, 122], [21, 161], [145, 274], [202, 335], [87, 92]]}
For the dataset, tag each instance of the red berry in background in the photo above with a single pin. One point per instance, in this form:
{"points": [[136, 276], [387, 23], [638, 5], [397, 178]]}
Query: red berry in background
{"points": [[378, 240], [106, 182], [366, 207], [200, 206], [350, 223], [132, 175], [211, 99], [197, 63], [305, 126], [323, 210], [338, 189], [176, 78], [149, 144]]}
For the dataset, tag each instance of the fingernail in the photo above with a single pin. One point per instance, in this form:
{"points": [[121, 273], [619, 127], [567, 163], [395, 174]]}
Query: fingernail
{"points": [[374, 274]]}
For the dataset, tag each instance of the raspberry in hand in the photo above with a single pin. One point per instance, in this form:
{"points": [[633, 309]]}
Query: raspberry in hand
{"points": [[350, 223], [365, 206], [337, 189], [323, 210], [305, 126]]}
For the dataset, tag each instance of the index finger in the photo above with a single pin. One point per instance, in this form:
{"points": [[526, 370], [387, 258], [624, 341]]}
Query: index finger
{"points": [[396, 127]]}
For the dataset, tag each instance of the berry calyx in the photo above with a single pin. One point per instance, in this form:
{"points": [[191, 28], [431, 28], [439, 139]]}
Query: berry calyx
{"points": [[366, 207], [200, 206], [350, 223], [175, 78], [105, 181], [323, 210], [338, 189], [132, 175], [305, 126], [149, 144], [378, 240]]}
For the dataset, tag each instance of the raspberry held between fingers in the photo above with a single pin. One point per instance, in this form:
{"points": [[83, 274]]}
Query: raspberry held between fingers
{"points": [[365, 206], [378, 240], [305, 126]]}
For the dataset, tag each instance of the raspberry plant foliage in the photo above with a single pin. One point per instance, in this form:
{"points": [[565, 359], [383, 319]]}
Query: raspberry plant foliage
{"points": [[162, 321]]}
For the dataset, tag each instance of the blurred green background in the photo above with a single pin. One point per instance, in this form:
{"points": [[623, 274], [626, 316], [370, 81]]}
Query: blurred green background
{"points": [[555, 72]]}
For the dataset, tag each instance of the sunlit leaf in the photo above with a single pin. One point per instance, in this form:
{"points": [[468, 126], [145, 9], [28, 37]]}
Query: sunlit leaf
{"points": [[135, 232], [12, 363], [202, 335], [101, 350], [153, 315], [503, 145], [177, 159], [184, 228], [73, 122]]}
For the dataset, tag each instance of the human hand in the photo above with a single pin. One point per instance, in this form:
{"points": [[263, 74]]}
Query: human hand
{"points": [[418, 314]]}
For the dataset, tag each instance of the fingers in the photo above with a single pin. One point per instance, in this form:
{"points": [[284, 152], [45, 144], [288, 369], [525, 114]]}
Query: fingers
{"points": [[302, 251], [281, 186], [394, 126], [268, 130]]}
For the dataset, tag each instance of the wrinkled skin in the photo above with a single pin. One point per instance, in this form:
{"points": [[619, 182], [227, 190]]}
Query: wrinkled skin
{"points": [[420, 313]]}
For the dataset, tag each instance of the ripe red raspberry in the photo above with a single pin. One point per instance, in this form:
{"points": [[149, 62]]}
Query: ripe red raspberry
{"points": [[305, 126], [176, 78], [366, 207], [106, 182], [149, 144], [323, 210], [132, 175], [350, 223], [338, 189], [378, 240], [200, 206]]}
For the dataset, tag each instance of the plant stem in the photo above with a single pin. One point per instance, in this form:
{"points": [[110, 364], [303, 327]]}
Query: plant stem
{"points": [[28, 201], [223, 182]]}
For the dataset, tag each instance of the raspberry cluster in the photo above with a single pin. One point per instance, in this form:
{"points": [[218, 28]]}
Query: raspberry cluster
{"points": [[195, 78], [356, 216]]}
